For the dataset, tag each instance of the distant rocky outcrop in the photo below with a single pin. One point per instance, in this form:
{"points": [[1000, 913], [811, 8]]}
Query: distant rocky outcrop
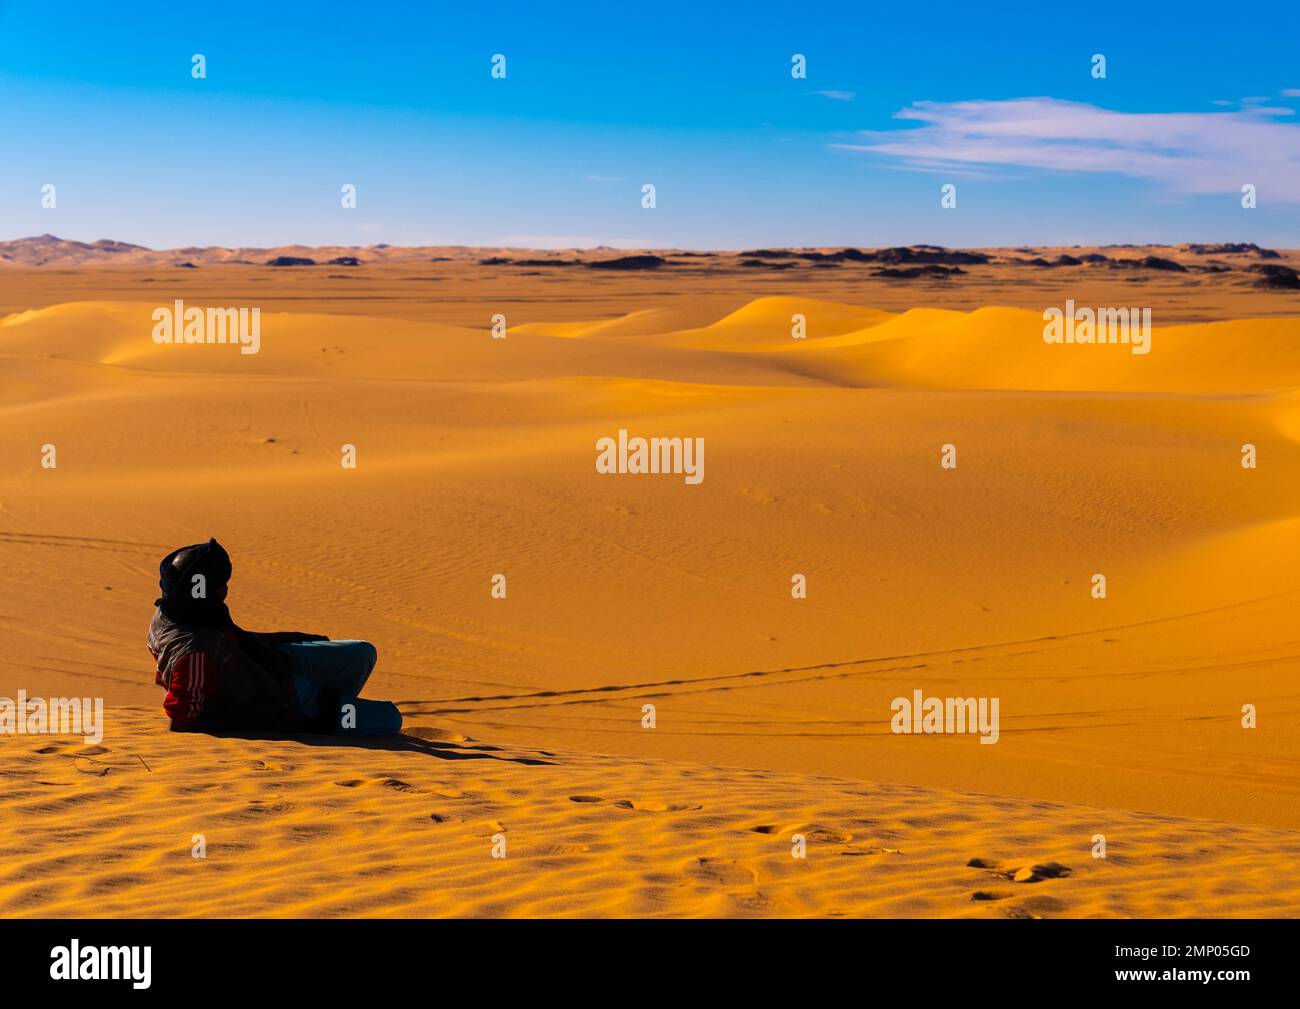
{"points": [[894, 256], [934, 254], [628, 263], [112, 247], [503, 261], [1061, 260], [1228, 248], [41, 249], [933, 270], [1205, 261], [644, 262], [1150, 263], [1276, 277], [841, 256]]}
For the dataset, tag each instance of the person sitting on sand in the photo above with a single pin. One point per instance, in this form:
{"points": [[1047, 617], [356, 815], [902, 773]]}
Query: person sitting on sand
{"points": [[222, 678]]}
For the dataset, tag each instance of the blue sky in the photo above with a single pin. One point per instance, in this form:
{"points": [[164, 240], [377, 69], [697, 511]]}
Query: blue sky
{"points": [[600, 98]]}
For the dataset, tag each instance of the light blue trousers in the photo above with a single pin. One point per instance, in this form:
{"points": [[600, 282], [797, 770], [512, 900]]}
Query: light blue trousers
{"points": [[342, 668]]}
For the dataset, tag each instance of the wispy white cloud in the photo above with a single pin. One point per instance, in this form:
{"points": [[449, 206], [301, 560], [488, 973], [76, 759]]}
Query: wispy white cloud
{"points": [[1259, 106], [602, 178], [1190, 153], [839, 96]]}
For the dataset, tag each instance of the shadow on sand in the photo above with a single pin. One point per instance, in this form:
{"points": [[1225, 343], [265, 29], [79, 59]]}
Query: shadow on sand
{"points": [[401, 743]]}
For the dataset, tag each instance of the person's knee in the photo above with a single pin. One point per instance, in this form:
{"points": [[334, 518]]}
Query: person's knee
{"points": [[369, 653]]}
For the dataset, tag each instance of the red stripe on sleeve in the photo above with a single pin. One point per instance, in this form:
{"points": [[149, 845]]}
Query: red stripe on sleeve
{"points": [[190, 689]]}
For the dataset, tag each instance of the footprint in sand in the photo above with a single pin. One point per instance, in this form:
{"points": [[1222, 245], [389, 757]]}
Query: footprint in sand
{"points": [[1034, 872], [825, 835], [652, 806], [585, 798], [262, 765], [1040, 871], [399, 786], [725, 871]]}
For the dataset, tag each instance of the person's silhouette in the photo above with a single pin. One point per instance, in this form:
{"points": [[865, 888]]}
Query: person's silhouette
{"points": [[220, 677]]}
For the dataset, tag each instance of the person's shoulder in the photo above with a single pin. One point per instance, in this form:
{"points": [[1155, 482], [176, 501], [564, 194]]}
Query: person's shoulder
{"points": [[181, 639]]}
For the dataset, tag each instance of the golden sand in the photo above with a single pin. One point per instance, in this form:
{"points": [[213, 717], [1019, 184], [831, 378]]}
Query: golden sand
{"points": [[1119, 716]]}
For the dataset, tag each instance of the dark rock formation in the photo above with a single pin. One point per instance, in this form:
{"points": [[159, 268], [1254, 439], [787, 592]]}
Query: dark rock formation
{"points": [[1223, 248], [933, 270], [1277, 277], [628, 263]]}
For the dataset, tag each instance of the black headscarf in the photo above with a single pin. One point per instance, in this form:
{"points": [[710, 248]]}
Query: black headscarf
{"points": [[176, 578]]}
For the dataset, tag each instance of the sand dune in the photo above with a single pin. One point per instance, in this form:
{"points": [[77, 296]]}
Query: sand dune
{"points": [[294, 828], [476, 456]]}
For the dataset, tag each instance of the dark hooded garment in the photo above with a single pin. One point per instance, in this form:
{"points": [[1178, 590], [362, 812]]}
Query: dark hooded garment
{"points": [[253, 678], [177, 576]]}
